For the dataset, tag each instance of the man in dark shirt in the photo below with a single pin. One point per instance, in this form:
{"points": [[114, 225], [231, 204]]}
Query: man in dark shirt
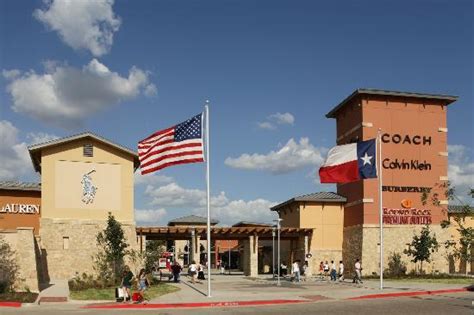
{"points": [[176, 270]]}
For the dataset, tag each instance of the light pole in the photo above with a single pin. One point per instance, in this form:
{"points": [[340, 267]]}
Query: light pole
{"points": [[278, 242], [273, 252], [228, 242]]}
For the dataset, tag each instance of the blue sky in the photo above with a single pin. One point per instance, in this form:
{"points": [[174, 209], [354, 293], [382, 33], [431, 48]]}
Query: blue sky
{"points": [[271, 70]]}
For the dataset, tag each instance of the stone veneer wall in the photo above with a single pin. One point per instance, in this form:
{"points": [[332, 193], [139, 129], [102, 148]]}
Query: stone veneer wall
{"points": [[78, 258], [22, 241], [363, 242], [324, 255]]}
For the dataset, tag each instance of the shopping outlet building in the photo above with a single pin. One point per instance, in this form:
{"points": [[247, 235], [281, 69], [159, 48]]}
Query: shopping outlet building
{"points": [[53, 226]]}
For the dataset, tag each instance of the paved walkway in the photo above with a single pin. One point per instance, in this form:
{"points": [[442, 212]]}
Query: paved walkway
{"points": [[239, 288]]}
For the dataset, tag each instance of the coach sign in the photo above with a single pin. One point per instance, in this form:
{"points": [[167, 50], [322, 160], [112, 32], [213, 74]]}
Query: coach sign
{"points": [[18, 208]]}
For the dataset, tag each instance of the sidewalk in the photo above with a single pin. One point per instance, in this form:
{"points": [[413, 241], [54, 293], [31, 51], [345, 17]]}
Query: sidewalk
{"points": [[235, 290]]}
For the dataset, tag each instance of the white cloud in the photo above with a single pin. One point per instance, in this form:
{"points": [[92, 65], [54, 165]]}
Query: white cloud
{"points": [[40, 137], [461, 169], [64, 96], [11, 74], [151, 179], [277, 118], [257, 210], [151, 90], [282, 119], [84, 24], [292, 156], [14, 157], [225, 210], [150, 216], [266, 125]]}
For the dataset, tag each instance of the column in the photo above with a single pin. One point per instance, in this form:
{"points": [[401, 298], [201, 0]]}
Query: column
{"points": [[251, 256]]}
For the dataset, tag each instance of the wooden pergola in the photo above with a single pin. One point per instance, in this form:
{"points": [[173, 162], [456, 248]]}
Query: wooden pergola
{"points": [[219, 233]]}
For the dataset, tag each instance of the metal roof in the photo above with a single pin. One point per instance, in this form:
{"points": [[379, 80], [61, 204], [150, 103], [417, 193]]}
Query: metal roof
{"points": [[191, 219], [36, 148], [249, 224], [459, 209], [442, 97], [11, 185], [330, 197]]}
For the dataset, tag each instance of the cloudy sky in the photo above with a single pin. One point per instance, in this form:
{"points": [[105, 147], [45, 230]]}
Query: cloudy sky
{"points": [[271, 70]]}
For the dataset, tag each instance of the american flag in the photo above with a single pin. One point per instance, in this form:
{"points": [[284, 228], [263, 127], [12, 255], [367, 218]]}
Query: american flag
{"points": [[179, 144]]}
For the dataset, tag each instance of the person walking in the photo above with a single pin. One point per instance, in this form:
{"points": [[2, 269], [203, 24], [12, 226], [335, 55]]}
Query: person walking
{"points": [[176, 270], [143, 284], [326, 269], [127, 278], [304, 269], [333, 271], [201, 272], [295, 270], [341, 271], [358, 272], [193, 269]]}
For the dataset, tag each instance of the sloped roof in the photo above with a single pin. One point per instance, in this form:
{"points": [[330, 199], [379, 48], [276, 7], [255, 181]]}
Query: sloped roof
{"points": [[11, 185], [251, 224], [328, 197], [448, 99], [459, 209], [190, 220], [35, 150]]}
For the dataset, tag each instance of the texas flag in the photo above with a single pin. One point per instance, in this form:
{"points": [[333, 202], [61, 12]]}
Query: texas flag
{"points": [[349, 162]]}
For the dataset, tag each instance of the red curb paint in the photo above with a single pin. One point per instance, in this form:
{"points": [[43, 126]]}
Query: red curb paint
{"points": [[191, 305], [412, 293], [10, 304]]}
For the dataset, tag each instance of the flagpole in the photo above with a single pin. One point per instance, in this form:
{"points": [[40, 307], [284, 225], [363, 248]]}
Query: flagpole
{"points": [[380, 204], [206, 107]]}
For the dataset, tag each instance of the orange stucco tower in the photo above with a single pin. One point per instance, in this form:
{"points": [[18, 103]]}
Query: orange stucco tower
{"points": [[414, 160]]}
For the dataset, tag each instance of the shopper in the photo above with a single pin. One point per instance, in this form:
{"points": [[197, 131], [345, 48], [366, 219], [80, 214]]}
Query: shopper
{"points": [[193, 269], [341, 271], [295, 270], [358, 272], [127, 278], [176, 270], [326, 269], [333, 271]]}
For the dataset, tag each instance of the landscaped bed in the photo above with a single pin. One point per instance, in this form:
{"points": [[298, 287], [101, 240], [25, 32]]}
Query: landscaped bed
{"points": [[154, 291], [446, 279], [21, 297]]}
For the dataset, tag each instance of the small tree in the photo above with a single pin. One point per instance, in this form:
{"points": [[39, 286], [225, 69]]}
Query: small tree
{"points": [[461, 248], [154, 250], [112, 241], [8, 267], [396, 267], [422, 247]]}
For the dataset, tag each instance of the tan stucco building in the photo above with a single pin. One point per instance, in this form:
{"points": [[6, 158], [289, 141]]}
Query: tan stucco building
{"points": [[83, 178]]}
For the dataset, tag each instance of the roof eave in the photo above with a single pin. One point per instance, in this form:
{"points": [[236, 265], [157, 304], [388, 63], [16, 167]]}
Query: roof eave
{"points": [[448, 98]]}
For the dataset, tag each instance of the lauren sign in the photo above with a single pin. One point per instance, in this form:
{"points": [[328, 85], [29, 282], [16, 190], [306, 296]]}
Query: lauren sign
{"points": [[20, 208]]}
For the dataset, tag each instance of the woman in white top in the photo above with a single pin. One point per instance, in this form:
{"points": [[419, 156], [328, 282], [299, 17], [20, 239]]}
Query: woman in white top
{"points": [[193, 269]]}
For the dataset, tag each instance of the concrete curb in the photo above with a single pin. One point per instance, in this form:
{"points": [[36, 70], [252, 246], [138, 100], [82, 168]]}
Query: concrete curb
{"points": [[193, 305], [411, 293]]}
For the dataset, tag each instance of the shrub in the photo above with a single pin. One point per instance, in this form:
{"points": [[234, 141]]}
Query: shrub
{"points": [[85, 281], [396, 267], [8, 267]]}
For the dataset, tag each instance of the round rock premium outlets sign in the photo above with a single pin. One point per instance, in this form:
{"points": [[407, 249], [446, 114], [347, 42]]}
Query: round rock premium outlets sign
{"points": [[18, 208], [406, 215]]}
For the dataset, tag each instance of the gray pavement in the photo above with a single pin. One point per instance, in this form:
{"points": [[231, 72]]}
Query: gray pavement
{"points": [[453, 304], [239, 288]]}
